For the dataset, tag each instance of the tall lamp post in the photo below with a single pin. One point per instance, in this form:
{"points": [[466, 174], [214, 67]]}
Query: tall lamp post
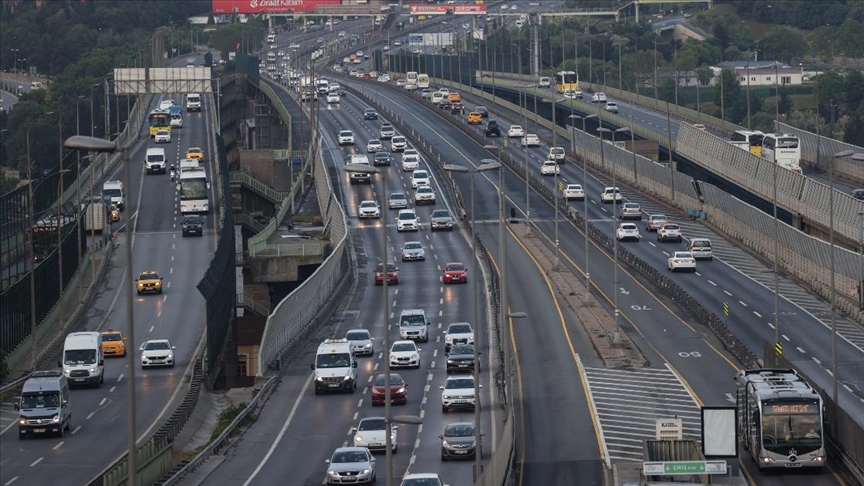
{"points": [[523, 98], [585, 202], [615, 196], [555, 181], [93, 144], [485, 165]]}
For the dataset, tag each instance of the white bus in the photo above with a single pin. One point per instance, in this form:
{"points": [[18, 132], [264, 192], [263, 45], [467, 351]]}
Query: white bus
{"points": [[749, 140], [422, 81], [784, 150], [194, 192], [780, 419], [411, 80]]}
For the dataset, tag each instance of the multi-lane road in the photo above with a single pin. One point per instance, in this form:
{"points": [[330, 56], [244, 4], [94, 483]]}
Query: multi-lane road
{"points": [[99, 415]]}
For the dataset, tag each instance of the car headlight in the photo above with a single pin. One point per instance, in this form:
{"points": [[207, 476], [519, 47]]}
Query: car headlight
{"points": [[367, 345], [171, 356], [22, 421], [445, 444], [415, 356], [367, 471], [56, 418], [319, 378], [347, 377], [358, 439], [332, 473], [401, 390], [450, 361], [92, 370]]}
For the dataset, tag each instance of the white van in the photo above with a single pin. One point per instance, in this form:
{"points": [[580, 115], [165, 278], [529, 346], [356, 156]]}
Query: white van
{"points": [[189, 164], [176, 120], [335, 367], [155, 161], [83, 362], [701, 249], [43, 407], [193, 102], [413, 324]]}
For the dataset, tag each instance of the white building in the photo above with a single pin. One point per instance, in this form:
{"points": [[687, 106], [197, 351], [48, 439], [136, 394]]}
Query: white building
{"points": [[760, 73]]}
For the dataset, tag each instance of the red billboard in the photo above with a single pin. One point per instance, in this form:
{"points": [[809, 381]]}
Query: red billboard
{"points": [[448, 9], [268, 6]]}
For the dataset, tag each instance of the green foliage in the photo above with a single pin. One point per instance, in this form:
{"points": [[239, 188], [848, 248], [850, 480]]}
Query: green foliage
{"points": [[782, 44], [227, 416]]}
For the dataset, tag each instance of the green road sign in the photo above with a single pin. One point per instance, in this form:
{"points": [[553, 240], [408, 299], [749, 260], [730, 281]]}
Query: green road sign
{"points": [[683, 468]]}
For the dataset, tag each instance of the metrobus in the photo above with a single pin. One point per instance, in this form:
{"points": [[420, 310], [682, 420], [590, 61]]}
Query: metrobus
{"points": [[194, 190], [784, 150], [422, 81], [780, 419], [159, 120], [749, 140], [566, 80]]}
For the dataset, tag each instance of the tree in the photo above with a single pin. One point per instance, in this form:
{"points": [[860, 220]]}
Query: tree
{"points": [[785, 103], [782, 44], [732, 96]]}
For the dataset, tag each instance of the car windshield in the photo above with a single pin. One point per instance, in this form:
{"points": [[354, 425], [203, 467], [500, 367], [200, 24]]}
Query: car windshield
{"points": [[397, 197], [79, 356], [421, 174], [462, 349], [459, 383], [404, 347], [407, 216], [345, 134], [335, 360], [700, 244], [348, 457], [390, 268], [40, 400], [111, 337], [395, 380], [459, 329], [357, 336], [628, 226], [191, 219], [440, 213], [413, 246], [454, 267], [631, 206], [412, 321], [658, 218], [424, 189], [367, 204], [156, 345], [421, 482], [671, 227], [374, 142], [149, 276], [398, 140], [371, 424], [112, 192], [459, 430]]}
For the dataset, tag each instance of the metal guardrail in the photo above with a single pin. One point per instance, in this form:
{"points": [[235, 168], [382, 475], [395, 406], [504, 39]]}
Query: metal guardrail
{"points": [[283, 111], [221, 441], [250, 222], [258, 187]]}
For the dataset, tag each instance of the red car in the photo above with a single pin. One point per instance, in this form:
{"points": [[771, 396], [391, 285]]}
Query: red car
{"points": [[455, 272], [392, 274], [398, 389]]}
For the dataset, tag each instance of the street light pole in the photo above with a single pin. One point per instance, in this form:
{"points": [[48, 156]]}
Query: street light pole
{"points": [[585, 202], [524, 96], [839, 155], [31, 257], [615, 196], [80, 142]]}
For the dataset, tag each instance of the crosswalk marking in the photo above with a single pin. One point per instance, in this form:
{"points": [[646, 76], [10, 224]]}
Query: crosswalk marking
{"points": [[629, 402]]}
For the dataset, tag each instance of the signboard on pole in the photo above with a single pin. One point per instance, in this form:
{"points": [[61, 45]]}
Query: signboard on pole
{"points": [[227, 7], [447, 9], [681, 468]]}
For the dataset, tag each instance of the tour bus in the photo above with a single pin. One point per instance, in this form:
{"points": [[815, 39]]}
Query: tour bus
{"points": [[194, 192], [784, 150]]}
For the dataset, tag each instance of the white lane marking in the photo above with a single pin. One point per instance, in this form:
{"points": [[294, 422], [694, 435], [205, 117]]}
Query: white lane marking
{"points": [[119, 378], [727, 293], [37, 461], [91, 415], [742, 303], [757, 314], [76, 430], [112, 389], [712, 283], [801, 350], [152, 327], [817, 360], [7, 483], [102, 402], [59, 445], [785, 337]]}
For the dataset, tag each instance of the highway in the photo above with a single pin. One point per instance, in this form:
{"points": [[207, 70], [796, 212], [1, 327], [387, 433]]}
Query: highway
{"points": [[99, 415]]}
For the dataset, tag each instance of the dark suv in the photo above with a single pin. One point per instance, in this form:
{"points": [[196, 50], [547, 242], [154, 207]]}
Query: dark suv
{"points": [[484, 112], [370, 115], [492, 129], [193, 225]]}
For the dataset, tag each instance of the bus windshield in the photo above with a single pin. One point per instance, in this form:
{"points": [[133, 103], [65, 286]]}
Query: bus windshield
{"points": [[193, 189], [788, 425]]}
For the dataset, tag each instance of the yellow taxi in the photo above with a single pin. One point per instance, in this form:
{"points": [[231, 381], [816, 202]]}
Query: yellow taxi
{"points": [[195, 153], [114, 214], [699, 126], [149, 281], [475, 118], [113, 343], [454, 98]]}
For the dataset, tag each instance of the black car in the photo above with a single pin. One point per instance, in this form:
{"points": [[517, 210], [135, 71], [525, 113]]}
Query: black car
{"points": [[459, 441], [460, 359], [193, 225], [457, 108], [445, 104], [382, 158], [370, 115], [858, 193], [484, 112], [492, 129]]}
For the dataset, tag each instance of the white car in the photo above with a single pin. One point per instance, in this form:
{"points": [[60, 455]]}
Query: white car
{"points": [[157, 352], [681, 260], [368, 209], [332, 98], [611, 107], [655, 222], [574, 191], [406, 220], [176, 122], [573, 94], [458, 393], [445, 91], [630, 211], [609, 194], [398, 144], [166, 104], [359, 53], [424, 195], [346, 137], [384, 78], [515, 131], [599, 97], [556, 153], [413, 250], [458, 333], [401, 82], [550, 167], [410, 162], [411, 151], [670, 232], [530, 140], [371, 434], [361, 342], [404, 354], [419, 178], [397, 200], [354, 462], [627, 231], [162, 136], [374, 145]]}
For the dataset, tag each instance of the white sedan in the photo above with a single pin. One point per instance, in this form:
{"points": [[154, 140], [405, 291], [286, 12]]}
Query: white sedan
{"points": [[404, 354], [157, 352], [573, 94], [368, 209], [550, 167], [682, 260], [332, 97], [162, 136], [371, 434], [574, 191], [410, 162], [424, 195], [515, 131], [413, 250], [374, 145], [531, 140], [627, 231]]}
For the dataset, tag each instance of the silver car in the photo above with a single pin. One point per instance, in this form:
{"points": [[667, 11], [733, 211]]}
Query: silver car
{"points": [[413, 250], [441, 220], [351, 465], [361, 342], [397, 200], [458, 441]]}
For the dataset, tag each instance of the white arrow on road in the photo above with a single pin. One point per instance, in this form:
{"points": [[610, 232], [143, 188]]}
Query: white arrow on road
{"points": [[624, 291], [730, 397]]}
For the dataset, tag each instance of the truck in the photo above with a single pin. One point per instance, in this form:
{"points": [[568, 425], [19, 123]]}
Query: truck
{"points": [[114, 191], [96, 213]]}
